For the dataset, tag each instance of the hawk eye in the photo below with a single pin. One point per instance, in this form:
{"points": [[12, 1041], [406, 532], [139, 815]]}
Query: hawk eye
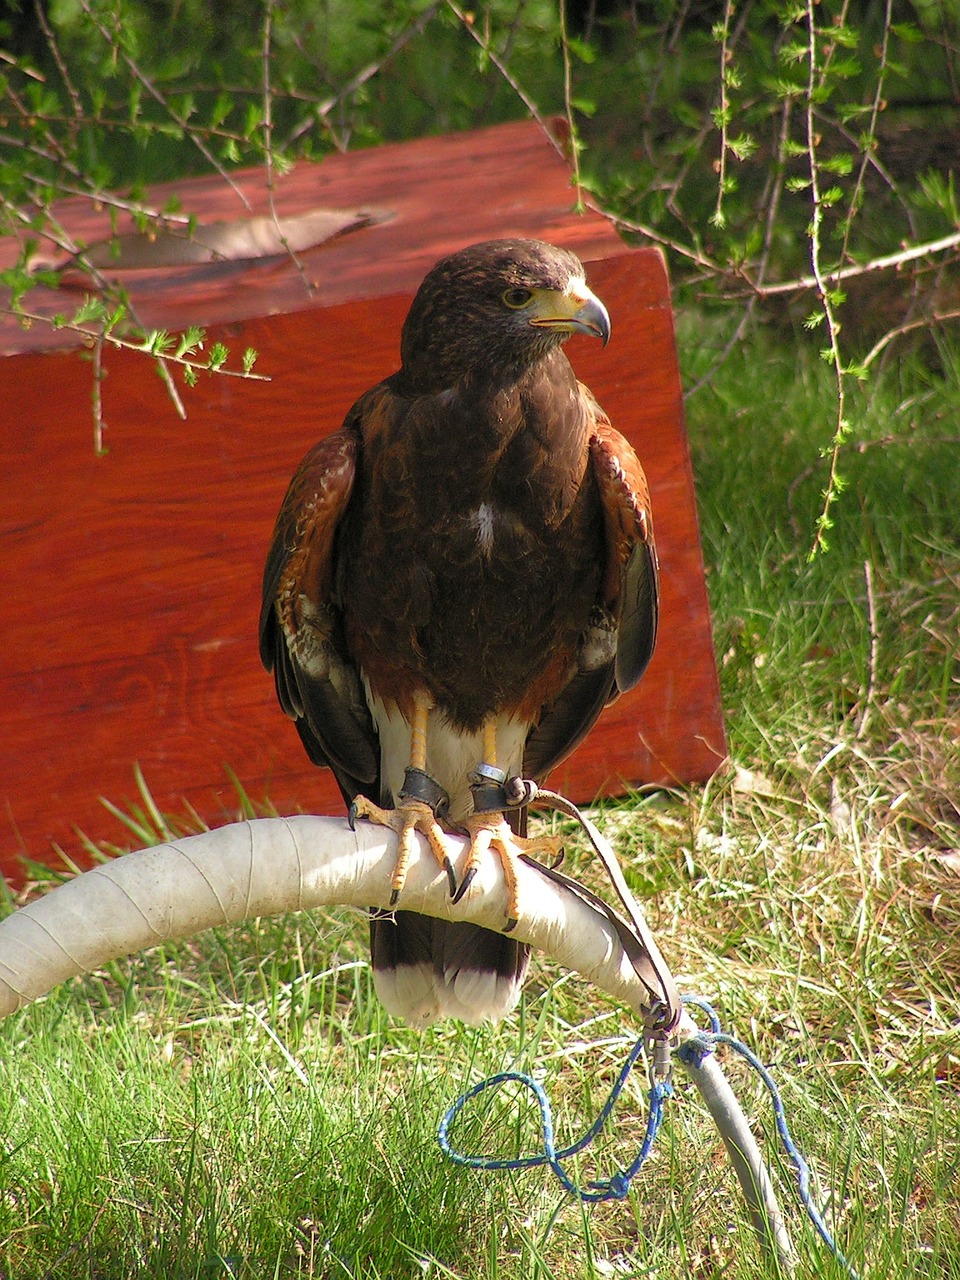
{"points": [[517, 298]]}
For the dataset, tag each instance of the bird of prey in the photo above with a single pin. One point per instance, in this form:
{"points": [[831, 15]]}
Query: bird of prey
{"points": [[460, 579]]}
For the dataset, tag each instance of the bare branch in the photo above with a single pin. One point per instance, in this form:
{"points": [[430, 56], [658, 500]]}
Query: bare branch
{"points": [[870, 692], [884, 263], [268, 144], [924, 322], [470, 26], [568, 102], [75, 100]]}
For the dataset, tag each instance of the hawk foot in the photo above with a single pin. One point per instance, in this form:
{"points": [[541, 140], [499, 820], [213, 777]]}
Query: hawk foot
{"points": [[491, 831], [407, 818]]}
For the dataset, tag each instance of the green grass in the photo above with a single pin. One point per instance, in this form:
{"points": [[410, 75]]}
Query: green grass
{"points": [[239, 1105]]}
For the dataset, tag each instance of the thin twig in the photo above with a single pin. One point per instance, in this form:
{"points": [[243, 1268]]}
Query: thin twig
{"points": [[719, 218], [745, 318], [268, 144], [771, 203], [30, 72], [924, 322], [98, 196], [76, 101], [96, 337], [84, 1242], [875, 108], [568, 104], [841, 425], [141, 348], [142, 78], [96, 395], [267, 99], [172, 389], [327, 105], [773, 192], [469, 25], [30, 119], [710, 266], [859, 446], [871, 691]]}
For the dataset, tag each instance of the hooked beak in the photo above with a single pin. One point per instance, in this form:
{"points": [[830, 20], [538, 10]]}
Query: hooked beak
{"points": [[575, 310]]}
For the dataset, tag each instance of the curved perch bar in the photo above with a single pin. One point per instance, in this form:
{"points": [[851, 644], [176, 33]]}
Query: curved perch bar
{"points": [[267, 867], [276, 865]]}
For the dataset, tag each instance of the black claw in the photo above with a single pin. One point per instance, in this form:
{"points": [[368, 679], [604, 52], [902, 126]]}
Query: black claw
{"points": [[352, 816], [451, 878], [394, 897], [509, 926], [465, 884]]}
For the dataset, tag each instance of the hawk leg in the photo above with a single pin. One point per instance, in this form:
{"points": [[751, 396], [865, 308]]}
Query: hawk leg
{"points": [[419, 801], [489, 829]]}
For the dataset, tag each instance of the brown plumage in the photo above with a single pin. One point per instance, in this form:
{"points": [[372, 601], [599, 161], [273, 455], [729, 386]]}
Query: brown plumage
{"points": [[470, 559]]}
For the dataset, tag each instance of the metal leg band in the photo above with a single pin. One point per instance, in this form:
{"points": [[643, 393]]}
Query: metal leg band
{"points": [[492, 796]]}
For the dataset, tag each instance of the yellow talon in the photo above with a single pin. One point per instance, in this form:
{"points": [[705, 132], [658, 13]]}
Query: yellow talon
{"points": [[409, 817], [491, 831]]}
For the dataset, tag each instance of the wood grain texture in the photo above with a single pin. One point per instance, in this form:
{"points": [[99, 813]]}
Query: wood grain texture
{"points": [[131, 581], [437, 194]]}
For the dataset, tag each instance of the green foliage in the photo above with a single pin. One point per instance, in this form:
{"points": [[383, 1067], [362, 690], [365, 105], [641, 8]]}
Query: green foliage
{"points": [[143, 105], [687, 125], [107, 98], [795, 634]]}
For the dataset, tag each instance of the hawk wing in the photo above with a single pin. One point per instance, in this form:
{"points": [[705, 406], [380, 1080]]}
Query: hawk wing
{"points": [[620, 644], [632, 583], [301, 624]]}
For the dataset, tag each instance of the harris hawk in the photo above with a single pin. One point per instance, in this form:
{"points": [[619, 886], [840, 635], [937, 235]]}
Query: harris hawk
{"points": [[460, 579]]}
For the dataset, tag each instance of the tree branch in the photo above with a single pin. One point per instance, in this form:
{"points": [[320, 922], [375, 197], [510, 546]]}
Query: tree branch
{"points": [[883, 263]]}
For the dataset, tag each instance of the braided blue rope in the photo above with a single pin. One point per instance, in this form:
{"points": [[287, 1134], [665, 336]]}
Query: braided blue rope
{"points": [[696, 1049], [615, 1188], [692, 1051]]}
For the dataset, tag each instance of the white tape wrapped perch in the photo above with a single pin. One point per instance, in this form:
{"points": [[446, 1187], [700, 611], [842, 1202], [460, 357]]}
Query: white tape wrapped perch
{"points": [[267, 867], [276, 865]]}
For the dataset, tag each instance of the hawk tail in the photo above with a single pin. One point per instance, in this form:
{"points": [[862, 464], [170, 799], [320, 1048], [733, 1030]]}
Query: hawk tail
{"points": [[425, 969]]}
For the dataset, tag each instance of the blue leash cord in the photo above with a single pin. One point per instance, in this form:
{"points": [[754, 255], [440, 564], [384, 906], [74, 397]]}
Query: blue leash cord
{"points": [[692, 1051], [615, 1188]]}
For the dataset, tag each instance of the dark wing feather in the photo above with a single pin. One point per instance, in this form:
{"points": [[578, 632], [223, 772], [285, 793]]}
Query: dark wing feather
{"points": [[567, 721], [632, 586], [619, 646], [301, 638]]}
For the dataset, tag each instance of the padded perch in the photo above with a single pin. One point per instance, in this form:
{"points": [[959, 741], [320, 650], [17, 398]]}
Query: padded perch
{"points": [[271, 866]]}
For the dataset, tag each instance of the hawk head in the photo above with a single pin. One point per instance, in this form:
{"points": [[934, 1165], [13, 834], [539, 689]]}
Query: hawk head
{"points": [[499, 306]]}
